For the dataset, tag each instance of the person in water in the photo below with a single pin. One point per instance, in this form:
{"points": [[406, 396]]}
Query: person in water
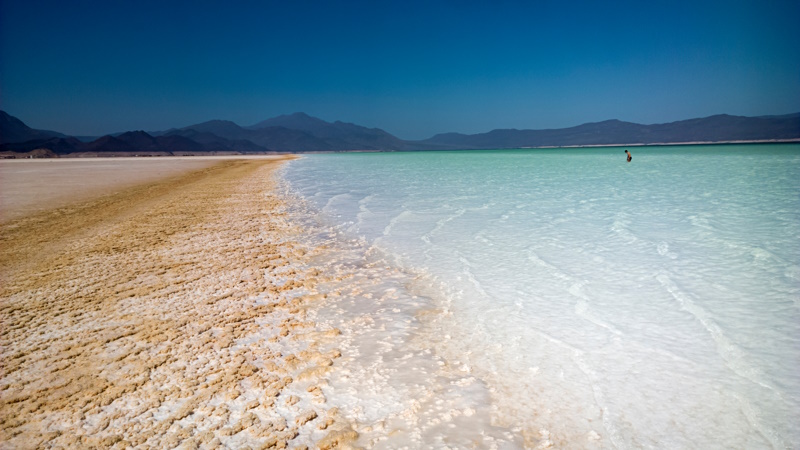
{"points": [[629, 156]]}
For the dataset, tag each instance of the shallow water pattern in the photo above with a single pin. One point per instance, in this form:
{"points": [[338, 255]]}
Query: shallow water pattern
{"points": [[605, 304]]}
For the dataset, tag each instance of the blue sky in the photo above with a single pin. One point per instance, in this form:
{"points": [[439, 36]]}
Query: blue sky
{"points": [[411, 68]]}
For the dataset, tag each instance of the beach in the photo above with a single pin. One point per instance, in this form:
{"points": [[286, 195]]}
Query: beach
{"points": [[163, 312], [36, 185], [197, 303], [498, 300]]}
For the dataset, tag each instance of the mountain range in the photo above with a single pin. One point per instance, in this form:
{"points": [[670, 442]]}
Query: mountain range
{"points": [[719, 128], [300, 132]]}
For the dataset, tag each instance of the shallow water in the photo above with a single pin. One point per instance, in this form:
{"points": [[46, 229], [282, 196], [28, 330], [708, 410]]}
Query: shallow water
{"points": [[599, 303]]}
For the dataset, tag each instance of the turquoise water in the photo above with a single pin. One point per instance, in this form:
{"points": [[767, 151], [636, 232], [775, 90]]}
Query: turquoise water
{"points": [[603, 304]]}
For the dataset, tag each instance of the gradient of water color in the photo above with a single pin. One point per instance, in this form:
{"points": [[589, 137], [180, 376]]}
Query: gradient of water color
{"points": [[609, 304]]}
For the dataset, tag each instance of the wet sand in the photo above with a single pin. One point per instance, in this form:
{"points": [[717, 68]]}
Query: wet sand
{"points": [[165, 313]]}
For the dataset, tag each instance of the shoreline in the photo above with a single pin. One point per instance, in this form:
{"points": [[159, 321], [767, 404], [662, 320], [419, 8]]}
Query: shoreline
{"points": [[343, 336], [522, 259], [49, 155], [169, 312], [210, 308]]}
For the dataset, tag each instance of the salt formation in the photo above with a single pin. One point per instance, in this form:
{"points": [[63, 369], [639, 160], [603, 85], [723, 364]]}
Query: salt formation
{"points": [[170, 313]]}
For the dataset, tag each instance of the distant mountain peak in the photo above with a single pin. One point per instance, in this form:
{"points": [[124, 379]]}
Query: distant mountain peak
{"points": [[295, 121], [213, 123], [302, 114], [138, 133], [14, 130], [218, 127], [218, 122]]}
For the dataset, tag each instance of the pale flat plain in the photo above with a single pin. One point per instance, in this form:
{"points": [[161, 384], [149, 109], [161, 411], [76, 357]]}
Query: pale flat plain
{"points": [[32, 185]]}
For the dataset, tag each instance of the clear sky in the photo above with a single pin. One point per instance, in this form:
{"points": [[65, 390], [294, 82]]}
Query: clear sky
{"points": [[411, 68]]}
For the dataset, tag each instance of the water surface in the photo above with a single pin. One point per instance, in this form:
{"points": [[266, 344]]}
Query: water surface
{"points": [[605, 304]]}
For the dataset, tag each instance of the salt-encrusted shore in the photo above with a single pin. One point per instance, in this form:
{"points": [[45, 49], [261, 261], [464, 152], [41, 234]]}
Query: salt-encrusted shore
{"points": [[35, 185], [169, 313]]}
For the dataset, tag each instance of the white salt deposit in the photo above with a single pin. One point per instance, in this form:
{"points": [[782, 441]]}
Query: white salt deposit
{"points": [[565, 296], [397, 390]]}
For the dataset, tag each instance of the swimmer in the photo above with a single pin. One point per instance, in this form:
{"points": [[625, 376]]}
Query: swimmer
{"points": [[629, 156]]}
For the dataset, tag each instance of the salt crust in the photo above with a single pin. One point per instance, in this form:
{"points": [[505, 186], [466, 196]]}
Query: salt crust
{"points": [[196, 312], [168, 314]]}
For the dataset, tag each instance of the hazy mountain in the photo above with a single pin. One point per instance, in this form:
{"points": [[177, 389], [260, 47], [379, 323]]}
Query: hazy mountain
{"points": [[300, 132], [179, 144], [297, 121], [14, 130], [107, 144], [719, 128], [267, 137], [57, 145], [221, 128], [724, 128], [212, 142], [338, 135], [297, 132], [143, 143], [287, 140], [133, 142]]}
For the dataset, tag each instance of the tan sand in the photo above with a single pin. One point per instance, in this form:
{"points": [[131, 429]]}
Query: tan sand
{"points": [[169, 313], [34, 185]]}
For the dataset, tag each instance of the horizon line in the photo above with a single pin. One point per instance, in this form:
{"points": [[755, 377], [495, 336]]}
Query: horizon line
{"points": [[797, 113]]}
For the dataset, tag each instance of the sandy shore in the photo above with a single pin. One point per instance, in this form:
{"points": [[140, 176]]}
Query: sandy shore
{"points": [[163, 313], [36, 185]]}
